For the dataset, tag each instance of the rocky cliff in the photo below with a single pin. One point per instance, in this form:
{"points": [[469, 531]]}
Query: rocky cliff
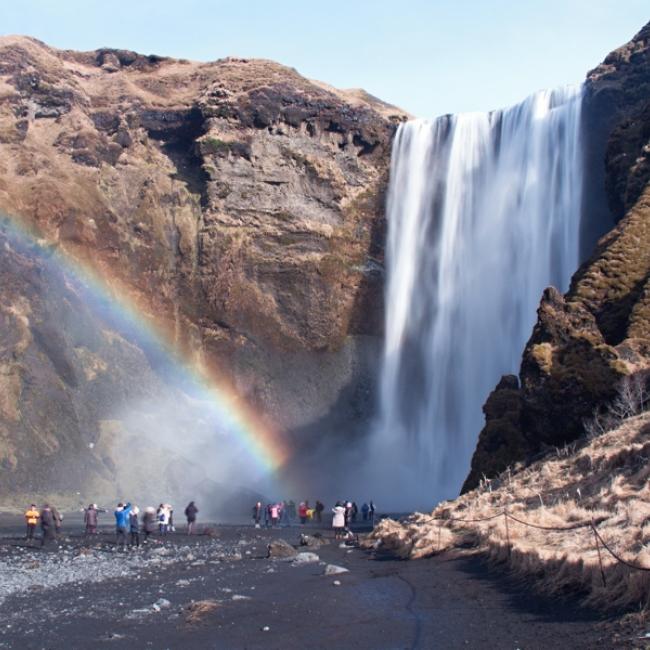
{"points": [[239, 205], [586, 342]]}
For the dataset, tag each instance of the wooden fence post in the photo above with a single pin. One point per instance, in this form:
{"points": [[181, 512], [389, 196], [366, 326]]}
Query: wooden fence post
{"points": [[600, 559]]}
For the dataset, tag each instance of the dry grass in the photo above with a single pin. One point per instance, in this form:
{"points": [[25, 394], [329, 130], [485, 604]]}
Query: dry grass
{"points": [[605, 481]]}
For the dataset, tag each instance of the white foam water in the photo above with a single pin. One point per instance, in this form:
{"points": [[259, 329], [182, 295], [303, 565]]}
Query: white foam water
{"points": [[483, 214]]}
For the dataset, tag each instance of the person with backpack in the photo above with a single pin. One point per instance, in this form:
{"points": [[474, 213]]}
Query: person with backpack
{"points": [[47, 525], [365, 508], [121, 523], [190, 513], [31, 520]]}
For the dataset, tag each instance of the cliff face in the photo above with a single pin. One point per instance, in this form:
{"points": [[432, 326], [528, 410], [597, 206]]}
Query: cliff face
{"points": [[237, 203], [586, 342]]}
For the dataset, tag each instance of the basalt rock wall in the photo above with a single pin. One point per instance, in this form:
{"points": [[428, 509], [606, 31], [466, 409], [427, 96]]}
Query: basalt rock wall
{"points": [[238, 205]]}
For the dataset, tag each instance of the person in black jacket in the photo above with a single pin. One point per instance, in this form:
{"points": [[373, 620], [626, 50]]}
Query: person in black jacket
{"points": [[191, 512], [47, 525]]}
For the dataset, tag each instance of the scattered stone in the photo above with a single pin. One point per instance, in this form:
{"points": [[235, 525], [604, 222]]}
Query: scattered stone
{"points": [[182, 582], [312, 541], [281, 548], [161, 603], [333, 569], [266, 628], [337, 583], [240, 597], [305, 558]]}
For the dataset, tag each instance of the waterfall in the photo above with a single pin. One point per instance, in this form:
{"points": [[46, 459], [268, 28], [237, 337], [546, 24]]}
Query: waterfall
{"points": [[483, 214]]}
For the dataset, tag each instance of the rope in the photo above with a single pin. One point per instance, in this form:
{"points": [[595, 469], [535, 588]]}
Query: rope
{"points": [[615, 555], [583, 524], [467, 521]]}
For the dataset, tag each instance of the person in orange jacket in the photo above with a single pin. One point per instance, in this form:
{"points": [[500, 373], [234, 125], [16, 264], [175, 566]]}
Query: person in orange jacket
{"points": [[32, 516]]}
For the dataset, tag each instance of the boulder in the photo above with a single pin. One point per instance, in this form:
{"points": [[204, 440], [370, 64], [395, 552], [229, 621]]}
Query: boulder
{"points": [[312, 541], [280, 548], [333, 569], [305, 558]]}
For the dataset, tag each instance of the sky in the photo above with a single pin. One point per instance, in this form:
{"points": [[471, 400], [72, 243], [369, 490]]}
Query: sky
{"points": [[429, 58]]}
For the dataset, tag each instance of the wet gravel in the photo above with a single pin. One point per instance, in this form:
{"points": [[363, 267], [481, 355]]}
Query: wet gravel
{"points": [[222, 592]]}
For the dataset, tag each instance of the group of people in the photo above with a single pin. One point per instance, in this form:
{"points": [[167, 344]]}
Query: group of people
{"points": [[285, 513], [162, 518], [50, 520], [345, 513], [128, 525]]}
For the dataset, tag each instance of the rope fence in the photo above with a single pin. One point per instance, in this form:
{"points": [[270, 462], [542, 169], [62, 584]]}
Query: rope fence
{"points": [[599, 541]]}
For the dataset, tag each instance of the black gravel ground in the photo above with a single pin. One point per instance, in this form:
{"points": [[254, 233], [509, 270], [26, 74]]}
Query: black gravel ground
{"points": [[88, 595]]}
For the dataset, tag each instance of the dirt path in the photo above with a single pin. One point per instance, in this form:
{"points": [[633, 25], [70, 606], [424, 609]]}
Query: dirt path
{"points": [[437, 603]]}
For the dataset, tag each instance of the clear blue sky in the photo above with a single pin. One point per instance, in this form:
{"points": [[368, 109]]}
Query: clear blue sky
{"points": [[427, 57]]}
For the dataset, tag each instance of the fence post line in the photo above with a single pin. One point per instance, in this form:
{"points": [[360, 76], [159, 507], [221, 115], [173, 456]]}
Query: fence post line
{"points": [[600, 559]]}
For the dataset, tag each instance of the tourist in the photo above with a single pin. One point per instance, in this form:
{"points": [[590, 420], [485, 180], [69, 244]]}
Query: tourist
{"points": [[257, 513], [134, 527], [163, 519], [148, 522], [338, 521], [190, 513], [47, 524], [302, 512], [355, 512], [170, 518], [90, 519], [284, 515], [121, 523], [348, 512], [267, 515], [292, 510], [58, 520], [31, 519], [365, 508], [275, 514], [319, 511], [371, 513]]}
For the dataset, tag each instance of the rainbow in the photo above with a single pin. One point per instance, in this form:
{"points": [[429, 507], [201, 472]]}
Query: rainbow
{"points": [[261, 441]]}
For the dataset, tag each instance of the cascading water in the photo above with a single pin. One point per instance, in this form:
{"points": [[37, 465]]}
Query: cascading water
{"points": [[483, 214]]}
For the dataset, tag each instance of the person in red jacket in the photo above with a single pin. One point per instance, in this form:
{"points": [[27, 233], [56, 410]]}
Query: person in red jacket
{"points": [[302, 511]]}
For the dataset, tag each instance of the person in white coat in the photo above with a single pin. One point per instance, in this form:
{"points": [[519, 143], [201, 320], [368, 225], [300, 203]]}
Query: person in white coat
{"points": [[338, 521]]}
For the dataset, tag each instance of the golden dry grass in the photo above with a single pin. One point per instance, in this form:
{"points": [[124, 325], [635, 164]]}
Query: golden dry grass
{"points": [[605, 481]]}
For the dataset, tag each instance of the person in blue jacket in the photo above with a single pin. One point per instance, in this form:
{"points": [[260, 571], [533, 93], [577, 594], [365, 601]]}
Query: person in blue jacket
{"points": [[122, 523]]}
